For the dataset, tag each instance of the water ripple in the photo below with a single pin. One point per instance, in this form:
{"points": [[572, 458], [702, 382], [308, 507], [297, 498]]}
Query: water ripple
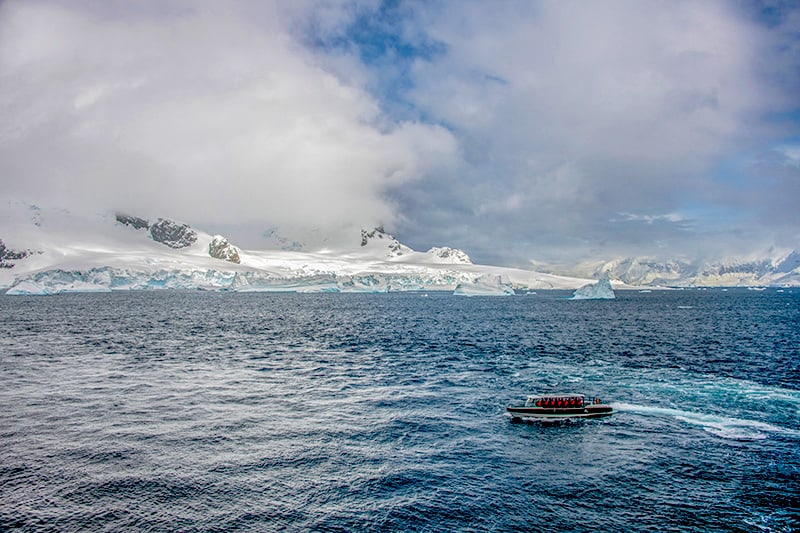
{"points": [[223, 412]]}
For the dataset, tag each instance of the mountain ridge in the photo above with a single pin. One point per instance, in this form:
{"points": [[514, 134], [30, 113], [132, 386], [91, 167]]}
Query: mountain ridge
{"points": [[122, 252], [104, 252], [779, 268]]}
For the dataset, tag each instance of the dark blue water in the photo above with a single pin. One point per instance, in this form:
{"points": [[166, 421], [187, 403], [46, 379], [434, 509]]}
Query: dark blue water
{"points": [[261, 412]]}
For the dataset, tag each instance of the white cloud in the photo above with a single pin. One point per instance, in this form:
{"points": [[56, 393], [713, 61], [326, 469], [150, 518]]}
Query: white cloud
{"points": [[538, 126], [792, 154], [592, 109], [202, 113], [649, 219]]}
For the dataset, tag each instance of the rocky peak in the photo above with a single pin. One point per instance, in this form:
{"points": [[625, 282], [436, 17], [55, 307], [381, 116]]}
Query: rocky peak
{"points": [[395, 248], [377, 233], [173, 234], [220, 248], [451, 255], [7, 254], [134, 222]]}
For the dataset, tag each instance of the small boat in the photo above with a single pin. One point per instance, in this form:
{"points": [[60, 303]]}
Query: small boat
{"points": [[559, 407]]}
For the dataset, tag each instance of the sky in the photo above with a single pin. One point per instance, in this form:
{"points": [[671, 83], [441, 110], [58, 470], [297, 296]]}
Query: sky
{"points": [[519, 131]]}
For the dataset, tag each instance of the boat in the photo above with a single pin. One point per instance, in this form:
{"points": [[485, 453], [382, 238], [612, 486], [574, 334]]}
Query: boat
{"points": [[560, 407]]}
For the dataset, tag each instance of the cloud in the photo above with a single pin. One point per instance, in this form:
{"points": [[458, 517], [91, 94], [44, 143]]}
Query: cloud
{"points": [[201, 111], [581, 111], [516, 130], [649, 219]]}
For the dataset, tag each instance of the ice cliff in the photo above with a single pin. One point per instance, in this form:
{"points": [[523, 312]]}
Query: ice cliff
{"points": [[107, 279], [485, 285]]}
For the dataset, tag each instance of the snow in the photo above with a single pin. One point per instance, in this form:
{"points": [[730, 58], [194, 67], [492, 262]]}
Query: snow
{"points": [[770, 267], [485, 285], [94, 252], [601, 290], [446, 255]]}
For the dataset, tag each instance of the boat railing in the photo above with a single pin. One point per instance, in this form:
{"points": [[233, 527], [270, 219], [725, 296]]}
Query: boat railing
{"points": [[562, 402]]}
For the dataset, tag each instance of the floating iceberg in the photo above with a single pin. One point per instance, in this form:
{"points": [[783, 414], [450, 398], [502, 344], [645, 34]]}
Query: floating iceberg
{"points": [[601, 290], [485, 285]]}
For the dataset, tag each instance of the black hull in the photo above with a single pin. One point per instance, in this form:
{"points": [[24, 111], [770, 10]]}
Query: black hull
{"points": [[541, 413]]}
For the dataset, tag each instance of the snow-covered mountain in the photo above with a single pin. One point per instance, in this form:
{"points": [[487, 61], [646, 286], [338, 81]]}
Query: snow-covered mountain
{"points": [[773, 268], [45, 251]]}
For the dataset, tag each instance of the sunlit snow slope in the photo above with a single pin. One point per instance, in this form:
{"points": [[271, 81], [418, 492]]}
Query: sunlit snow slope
{"points": [[49, 251]]}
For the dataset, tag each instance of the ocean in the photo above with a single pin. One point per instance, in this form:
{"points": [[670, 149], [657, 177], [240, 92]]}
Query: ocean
{"points": [[202, 411]]}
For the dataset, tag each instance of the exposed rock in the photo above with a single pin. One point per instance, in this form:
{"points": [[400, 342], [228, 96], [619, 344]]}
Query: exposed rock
{"points": [[173, 234], [220, 248], [134, 222], [7, 255], [280, 242], [451, 255], [378, 233], [36, 215], [394, 246]]}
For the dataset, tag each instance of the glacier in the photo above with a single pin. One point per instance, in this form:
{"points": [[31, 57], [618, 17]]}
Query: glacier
{"points": [[47, 250], [68, 252], [485, 285], [107, 279]]}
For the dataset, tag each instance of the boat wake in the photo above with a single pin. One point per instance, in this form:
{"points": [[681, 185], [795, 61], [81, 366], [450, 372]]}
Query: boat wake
{"points": [[721, 426]]}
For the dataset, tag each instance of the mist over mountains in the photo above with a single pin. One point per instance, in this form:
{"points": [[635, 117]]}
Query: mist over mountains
{"points": [[773, 268]]}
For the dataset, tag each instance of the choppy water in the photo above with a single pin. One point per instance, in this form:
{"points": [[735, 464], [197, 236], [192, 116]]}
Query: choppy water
{"points": [[219, 412]]}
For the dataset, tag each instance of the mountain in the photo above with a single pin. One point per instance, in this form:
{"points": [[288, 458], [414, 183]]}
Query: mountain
{"points": [[773, 268], [45, 251]]}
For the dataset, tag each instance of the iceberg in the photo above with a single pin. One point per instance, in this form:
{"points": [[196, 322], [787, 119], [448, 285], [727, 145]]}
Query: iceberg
{"points": [[601, 290], [485, 285]]}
